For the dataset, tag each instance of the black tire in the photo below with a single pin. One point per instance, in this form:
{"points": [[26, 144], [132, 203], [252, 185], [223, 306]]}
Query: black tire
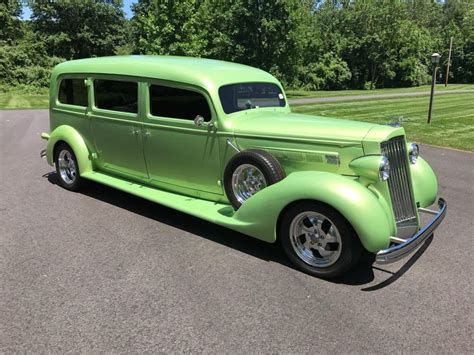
{"points": [[262, 160], [69, 178], [346, 254]]}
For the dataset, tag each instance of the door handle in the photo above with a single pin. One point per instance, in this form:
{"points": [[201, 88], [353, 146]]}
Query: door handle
{"points": [[135, 131], [147, 133]]}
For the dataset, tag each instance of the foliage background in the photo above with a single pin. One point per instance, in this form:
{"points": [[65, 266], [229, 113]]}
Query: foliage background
{"points": [[308, 44]]}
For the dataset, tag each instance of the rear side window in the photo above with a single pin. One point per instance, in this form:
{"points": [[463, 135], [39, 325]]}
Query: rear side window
{"points": [[73, 92], [116, 95], [178, 103]]}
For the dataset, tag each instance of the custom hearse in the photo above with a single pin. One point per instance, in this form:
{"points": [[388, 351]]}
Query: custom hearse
{"points": [[218, 141]]}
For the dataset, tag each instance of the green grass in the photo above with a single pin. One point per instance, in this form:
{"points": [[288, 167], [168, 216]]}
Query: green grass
{"points": [[452, 119], [19, 100], [439, 87]]}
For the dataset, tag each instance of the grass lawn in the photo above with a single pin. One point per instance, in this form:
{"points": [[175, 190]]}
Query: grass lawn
{"points": [[18, 100], [439, 87], [452, 122]]}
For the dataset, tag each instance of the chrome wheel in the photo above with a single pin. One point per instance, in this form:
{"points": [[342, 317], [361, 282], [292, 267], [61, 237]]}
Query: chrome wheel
{"points": [[247, 180], [67, 166], [315, 239]]}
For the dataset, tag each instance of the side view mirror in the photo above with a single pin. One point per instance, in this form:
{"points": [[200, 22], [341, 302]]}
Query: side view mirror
{"points": [[199, 120]]}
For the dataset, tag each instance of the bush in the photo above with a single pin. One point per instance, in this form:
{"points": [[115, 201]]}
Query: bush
{"points": [[26, 64], [329, 73]]}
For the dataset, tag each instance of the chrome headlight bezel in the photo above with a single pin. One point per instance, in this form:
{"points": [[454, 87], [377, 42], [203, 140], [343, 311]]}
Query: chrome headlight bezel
{"points": [[384, 169], [413, 152]]}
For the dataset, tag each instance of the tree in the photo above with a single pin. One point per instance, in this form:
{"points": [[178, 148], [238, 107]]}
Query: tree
{"points": [[78, 28], [11, 28], [268, 35], [465, 68], [166, 27]]}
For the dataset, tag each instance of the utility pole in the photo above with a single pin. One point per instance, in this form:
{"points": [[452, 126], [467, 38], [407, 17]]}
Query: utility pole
{"points": [[449, 61]]}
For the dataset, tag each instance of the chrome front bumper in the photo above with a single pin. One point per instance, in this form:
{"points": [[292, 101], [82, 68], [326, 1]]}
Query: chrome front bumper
{"points": [[405, 247]]}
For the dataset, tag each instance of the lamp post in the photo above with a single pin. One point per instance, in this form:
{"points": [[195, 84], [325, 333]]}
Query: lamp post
{"points": [[435, 60]]}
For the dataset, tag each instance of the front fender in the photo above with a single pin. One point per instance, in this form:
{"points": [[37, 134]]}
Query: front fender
{"points": [[425, 185], [74, 139], [360, 206]]}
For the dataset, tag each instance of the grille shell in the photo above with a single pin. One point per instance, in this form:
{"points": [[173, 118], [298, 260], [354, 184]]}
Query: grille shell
{"points": [[399, 185]]}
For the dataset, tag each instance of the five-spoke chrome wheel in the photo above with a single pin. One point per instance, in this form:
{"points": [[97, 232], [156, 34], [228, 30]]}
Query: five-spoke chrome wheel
{"points": [[247, 180], [318, 239], [67, 166], [249, 172], [315, 239]]}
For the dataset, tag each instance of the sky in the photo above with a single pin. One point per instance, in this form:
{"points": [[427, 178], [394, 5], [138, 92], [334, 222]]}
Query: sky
{"points": [[126, 8]]}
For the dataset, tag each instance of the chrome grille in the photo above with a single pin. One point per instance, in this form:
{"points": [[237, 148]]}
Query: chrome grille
{"points": [[398, 182]]}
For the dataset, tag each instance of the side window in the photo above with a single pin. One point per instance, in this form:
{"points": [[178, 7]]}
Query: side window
{"points": [[116, 95], [178, 103], [73, 92]]}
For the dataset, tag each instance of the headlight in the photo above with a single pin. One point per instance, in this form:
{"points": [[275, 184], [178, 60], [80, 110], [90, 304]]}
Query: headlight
{"points": [[413, 152], [384, 169], [372, 167]]}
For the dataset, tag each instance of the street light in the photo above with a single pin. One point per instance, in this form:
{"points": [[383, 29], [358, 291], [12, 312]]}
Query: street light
{"points": [[435, 60]]}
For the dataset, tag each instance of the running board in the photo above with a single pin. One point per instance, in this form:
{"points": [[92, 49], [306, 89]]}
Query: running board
{"points": [[211, 211]]}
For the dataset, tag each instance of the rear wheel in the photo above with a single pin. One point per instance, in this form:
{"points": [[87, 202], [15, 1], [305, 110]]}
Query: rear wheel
{"points": [[67, 167], [319, 240]]}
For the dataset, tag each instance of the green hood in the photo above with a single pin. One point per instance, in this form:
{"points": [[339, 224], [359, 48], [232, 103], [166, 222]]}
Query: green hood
{"points": [[265, 123]]}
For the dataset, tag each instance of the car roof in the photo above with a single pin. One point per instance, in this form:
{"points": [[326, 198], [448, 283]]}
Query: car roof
{"points": [[207, 73]]}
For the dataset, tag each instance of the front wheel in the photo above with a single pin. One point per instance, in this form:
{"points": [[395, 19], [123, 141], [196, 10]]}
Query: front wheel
{"points": [[318, 240]]}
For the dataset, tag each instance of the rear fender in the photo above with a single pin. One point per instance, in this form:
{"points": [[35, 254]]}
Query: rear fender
{"points": [[74, 139], [365, 210]]}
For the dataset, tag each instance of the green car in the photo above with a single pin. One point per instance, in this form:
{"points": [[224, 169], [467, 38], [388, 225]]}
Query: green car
{"points": [[218, 141]]}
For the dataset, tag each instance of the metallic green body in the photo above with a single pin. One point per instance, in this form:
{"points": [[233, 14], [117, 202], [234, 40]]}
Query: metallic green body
{"points": [[180, 165]]}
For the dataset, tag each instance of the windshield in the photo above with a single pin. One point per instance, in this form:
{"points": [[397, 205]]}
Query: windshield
{"points": [[245, 96]]}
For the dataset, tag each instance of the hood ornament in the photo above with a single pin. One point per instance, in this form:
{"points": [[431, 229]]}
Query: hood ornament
{"points": [[395, 121]]}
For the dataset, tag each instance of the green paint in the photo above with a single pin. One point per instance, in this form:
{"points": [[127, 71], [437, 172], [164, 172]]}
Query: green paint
{"points": [[180, 165]]}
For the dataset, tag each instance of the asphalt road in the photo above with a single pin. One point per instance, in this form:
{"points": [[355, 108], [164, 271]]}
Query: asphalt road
{"points": [[317, 100], [103, 271]]}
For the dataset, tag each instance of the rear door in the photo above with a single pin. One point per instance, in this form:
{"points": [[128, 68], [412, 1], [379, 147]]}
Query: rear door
{"points": [[116, 126]]}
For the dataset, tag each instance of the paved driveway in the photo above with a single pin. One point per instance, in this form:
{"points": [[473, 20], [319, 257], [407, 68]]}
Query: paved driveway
{"points": [[105, 271], [316, 100]]}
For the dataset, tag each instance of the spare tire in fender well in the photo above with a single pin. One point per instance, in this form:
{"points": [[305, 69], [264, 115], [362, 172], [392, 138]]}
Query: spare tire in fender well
{"points": [[266, 167]]}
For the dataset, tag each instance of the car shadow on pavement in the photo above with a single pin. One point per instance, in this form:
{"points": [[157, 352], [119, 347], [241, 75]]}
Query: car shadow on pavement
{"points": [[362, 274]]}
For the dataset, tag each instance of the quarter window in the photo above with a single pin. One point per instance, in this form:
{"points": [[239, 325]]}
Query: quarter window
{"points": [[73, 92], [116, 95], [178, 103]]}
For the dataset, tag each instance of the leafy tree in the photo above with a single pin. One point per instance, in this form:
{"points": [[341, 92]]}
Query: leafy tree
{"points": [[166, 27], [11, 28], [267, 35], [78, 28], [313, 44], [465, 65]]}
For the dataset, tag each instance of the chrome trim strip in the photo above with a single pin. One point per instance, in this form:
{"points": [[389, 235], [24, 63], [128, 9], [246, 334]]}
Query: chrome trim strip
{"points": [[399, 251]]}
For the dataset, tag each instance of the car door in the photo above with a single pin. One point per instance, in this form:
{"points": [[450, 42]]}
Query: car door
{"points": [[116, 126], [181, 155]]}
